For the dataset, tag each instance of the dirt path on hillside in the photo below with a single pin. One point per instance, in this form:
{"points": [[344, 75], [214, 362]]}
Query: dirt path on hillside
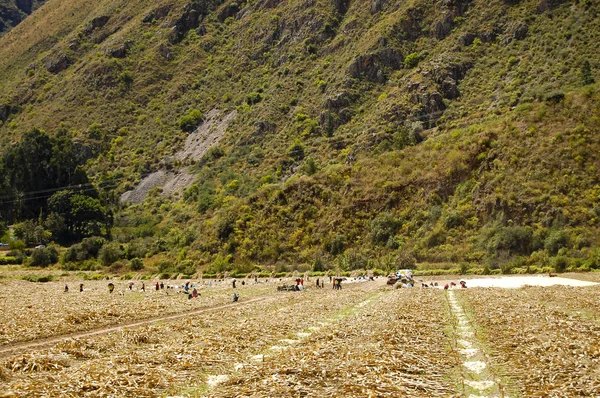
{"points": [[17, 348]]}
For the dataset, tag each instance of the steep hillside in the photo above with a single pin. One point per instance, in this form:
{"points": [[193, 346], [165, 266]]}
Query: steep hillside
{"points": [[366, 133], [12, 12]]}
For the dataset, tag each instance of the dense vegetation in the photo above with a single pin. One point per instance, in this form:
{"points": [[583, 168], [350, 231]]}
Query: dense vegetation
{"points": [[369, 134]]}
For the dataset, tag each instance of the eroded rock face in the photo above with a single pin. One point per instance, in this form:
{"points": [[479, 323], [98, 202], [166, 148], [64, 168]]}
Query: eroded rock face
{"points": [[449, 89], [432, 107], [338, 101]]}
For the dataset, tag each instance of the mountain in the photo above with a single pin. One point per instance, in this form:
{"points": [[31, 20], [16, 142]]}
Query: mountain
{"points": [[330, 132], [12, 12]]}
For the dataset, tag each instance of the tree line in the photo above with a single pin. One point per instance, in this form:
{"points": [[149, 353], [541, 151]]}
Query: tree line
{"points": [[46, 193]]}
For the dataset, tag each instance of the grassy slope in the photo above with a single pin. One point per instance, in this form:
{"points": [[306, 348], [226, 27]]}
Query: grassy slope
{"points": [[499, 156]]}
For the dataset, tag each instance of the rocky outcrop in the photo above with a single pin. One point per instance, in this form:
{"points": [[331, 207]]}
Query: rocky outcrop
{"points": [[193, 14], [57, 63], [336, 112], [515, 31], [443, 27], [157, 14], [372, 66], [430, 108], [409, 27], [119, 51], [96, 23], [228, 11], [467, 39], [341, 6], [448, 76]]}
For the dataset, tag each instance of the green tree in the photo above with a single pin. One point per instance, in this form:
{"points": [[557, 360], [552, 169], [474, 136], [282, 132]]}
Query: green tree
{"points": [[75, 216], [586, 73]]}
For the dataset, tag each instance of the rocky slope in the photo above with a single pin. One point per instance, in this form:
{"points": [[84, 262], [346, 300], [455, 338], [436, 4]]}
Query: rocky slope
{"points": [[366, 132]]}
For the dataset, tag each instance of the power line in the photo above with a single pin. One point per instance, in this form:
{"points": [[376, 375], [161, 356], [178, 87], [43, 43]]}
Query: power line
{"points": [[15, 199]]}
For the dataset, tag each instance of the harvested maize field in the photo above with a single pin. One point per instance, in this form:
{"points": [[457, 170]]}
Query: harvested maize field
{"points": [[367, 339]]}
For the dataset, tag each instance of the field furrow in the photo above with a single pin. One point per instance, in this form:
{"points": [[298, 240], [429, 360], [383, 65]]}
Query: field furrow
{"points": [[396, 344]]}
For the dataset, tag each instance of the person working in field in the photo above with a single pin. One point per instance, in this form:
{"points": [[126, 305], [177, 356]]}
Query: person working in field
{"points": [[66, 288], [80, 287], [111, 287]]}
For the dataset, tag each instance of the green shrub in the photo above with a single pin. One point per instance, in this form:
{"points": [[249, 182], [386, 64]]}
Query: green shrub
{"points": [[136, 264], [514, 240], [586, 73], [165, 266], [411, 60], [111, 253], [44, 257], [253, 98], [10, 260], [383, 227], [88, 248], [38, 278], [560, 263], [554, 97], [190, 121], [336, 245]]}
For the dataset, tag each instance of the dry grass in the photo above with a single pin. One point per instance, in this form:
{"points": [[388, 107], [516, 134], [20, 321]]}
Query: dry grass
{"points": [[540, 341]]}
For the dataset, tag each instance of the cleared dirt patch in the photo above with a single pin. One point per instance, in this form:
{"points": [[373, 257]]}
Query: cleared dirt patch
{"points": [[207, 135]]}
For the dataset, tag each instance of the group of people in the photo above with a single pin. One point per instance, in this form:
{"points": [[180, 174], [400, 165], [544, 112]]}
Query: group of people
{"points": [[463, 285], [80, 288]]}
